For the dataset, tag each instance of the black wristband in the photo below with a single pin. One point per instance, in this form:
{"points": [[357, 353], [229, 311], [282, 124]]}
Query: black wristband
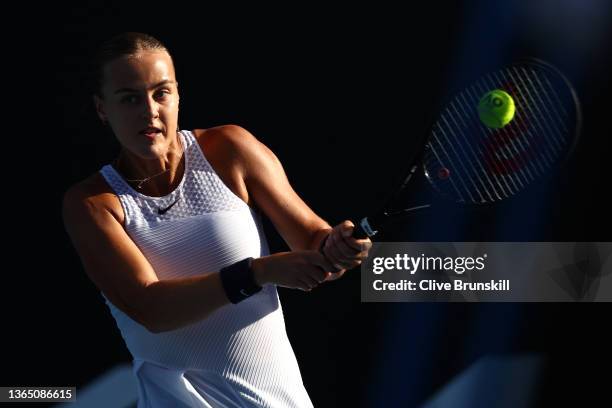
{"points": [[238, 281]]}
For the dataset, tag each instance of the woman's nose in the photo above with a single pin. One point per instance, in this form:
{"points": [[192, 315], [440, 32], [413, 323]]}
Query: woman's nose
{"points": [[150, 109]]}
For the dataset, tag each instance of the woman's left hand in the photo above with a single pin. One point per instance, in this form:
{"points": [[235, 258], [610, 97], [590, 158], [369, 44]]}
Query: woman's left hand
{"points": [[344, 251]]}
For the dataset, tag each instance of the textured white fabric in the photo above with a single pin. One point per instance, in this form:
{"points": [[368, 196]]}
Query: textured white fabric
{"points": [[240, 355]]}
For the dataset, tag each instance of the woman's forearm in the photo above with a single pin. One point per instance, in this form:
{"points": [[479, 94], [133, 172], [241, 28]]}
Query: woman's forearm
{"points": [[174, 303], [318, 237]]}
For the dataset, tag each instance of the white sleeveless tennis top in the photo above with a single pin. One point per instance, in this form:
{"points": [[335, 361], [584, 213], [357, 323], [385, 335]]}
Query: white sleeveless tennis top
{"points": [[239, 356]]}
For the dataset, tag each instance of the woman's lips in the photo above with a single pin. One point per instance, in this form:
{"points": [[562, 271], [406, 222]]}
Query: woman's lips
{"points": [[150, 132], [150, 136]]}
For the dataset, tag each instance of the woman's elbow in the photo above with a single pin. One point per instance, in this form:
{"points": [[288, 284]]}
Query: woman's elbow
{"points": [[146, 314], [154, 326], [156, 320], [147, 320], [155, 329]]}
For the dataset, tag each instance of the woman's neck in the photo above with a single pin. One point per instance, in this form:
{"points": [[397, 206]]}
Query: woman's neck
{"points": [[155, 177]]}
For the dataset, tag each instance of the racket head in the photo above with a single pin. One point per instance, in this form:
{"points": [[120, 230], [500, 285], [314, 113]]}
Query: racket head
{"points": [[468, 162]]}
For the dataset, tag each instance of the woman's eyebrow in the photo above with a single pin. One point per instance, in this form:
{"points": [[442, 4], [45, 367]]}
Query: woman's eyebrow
{"points": [[164, 82]]}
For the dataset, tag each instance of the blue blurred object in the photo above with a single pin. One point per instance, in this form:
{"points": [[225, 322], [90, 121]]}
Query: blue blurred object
{"points": [[114, 388], [493, 381]]}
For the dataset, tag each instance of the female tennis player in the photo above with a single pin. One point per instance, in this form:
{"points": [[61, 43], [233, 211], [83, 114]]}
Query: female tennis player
{"points": [[170, 232]]}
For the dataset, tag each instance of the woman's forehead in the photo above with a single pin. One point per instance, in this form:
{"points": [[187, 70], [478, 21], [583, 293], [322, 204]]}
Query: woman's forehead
{"points": [[139, 71]]}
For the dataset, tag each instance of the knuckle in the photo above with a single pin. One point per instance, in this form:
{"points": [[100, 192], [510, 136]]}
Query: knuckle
{"points": [[333, 238]]}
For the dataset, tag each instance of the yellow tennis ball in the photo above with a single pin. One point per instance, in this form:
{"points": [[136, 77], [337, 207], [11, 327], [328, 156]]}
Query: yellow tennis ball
{"points": [[496, 109]]}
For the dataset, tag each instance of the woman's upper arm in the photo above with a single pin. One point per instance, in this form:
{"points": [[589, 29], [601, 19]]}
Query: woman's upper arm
{"points": [[268, 185], [110, 258]]}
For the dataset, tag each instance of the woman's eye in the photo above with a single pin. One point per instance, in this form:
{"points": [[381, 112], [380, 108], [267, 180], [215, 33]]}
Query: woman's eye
{"points": [[135, 98], [130, 99], [163, 93]]}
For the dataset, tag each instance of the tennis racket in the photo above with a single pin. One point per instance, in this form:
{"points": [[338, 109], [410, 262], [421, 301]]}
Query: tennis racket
{"points": [[469, 163]]}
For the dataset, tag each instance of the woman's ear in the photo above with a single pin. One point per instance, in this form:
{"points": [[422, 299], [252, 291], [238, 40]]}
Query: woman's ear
{"points": [[99, 105]]}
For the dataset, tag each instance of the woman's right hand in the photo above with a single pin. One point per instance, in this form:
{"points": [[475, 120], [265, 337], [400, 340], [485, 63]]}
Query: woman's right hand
{"points": [[303, 270]]}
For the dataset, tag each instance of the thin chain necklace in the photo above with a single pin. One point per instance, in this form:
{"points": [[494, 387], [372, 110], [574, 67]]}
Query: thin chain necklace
{"points": [[144, 180]]}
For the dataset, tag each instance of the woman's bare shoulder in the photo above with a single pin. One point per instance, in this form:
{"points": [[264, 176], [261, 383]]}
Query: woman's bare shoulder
{"points": [[223, 151], [222, 134], [89, 197]]}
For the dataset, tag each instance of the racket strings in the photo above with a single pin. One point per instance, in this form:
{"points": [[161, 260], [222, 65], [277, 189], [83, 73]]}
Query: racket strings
{"points": [[470, 162]]}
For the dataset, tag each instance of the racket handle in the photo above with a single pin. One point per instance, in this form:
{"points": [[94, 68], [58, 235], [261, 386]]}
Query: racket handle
{"points": [[364, 229], [369, 226]]}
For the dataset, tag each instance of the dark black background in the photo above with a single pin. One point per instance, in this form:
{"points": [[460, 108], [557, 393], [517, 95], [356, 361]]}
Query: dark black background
{"points": [[340, 95]]}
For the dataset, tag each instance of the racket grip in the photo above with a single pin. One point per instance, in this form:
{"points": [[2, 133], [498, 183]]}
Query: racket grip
{"points": [[363, 229]]}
